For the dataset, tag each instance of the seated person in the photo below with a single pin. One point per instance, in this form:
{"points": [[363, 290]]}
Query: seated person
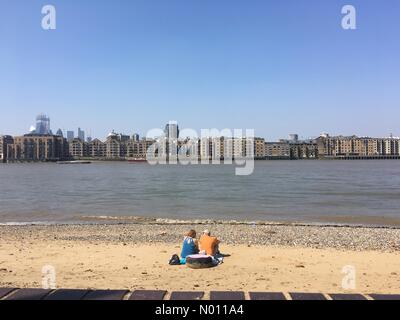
{"points": [[209, 244], [190, 245]]}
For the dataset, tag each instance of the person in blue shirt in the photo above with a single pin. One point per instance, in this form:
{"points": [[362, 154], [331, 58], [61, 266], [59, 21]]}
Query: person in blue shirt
{"points": [[190, 245]]}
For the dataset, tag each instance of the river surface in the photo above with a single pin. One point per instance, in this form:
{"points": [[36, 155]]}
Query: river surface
{"points": [[349, 192]]}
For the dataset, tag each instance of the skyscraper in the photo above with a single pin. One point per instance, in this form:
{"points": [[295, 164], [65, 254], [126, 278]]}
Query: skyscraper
{"points": [[42, 124], [293, 137], [70, 136], [59, 133], [135, 137], [81, 134], [172, 130]]}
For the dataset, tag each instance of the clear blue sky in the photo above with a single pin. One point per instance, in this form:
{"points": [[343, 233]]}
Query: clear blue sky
{"points": [[279, 67]]}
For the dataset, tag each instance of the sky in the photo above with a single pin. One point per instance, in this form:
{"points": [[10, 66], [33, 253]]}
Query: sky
{"points": [[277, 67]]}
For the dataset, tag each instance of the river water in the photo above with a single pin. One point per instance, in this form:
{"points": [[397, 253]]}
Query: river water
{"points": [[349, 192]]}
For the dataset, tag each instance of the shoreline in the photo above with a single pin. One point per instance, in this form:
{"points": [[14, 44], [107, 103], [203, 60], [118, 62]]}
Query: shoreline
{"points": [[140, 220], [262, 258], [357, 238]]}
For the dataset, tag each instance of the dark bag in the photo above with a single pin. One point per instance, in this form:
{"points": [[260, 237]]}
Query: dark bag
{"points": [[175, 260], [199, 262]]}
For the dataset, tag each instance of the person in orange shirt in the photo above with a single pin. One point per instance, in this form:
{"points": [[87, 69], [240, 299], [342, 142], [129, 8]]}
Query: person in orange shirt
{"points": [[209, 244]]}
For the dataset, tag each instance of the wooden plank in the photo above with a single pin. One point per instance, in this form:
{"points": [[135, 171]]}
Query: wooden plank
{"points": [[68, 294], [347, 296], [385, 296], [306, 296], [227, 295], [148, 295], [267, 296], [5, 291], [29, 294], [186, 295], [106, 295]]}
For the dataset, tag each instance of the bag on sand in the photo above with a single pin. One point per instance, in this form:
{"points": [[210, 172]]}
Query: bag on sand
{"points": [[174, 261], [200, 261]]}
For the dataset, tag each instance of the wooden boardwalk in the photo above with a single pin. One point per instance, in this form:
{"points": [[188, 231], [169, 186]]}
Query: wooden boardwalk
{"points": [[85, 294]]}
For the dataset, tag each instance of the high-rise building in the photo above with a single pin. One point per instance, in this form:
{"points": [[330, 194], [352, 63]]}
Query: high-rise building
{"points": [[81, 134], [135, 137], [89, 137], [70, 136], [42, 124], [59, 133], [172, 130], [293, 137]]}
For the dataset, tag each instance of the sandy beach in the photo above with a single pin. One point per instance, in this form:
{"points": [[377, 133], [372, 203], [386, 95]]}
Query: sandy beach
{"points": [[280, 258]]}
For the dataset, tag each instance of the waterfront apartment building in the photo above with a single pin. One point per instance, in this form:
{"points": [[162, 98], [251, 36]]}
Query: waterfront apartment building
{"points": [[137, 149], [116, 146], [35, 147], [112, 149], [96, 149], [206, 148], [291, 149], [277, 150], [248, 147], [259, 148], [5, 141], [223, 148], [391, 146], [304, 150], [48, 147], [341, 147], [219, 148], [78, 149]]}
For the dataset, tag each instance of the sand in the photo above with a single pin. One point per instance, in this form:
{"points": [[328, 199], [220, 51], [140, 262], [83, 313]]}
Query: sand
{"points": [[118, 265]]}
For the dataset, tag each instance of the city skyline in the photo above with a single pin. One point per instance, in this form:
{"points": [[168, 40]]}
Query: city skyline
{"points": [[171, 130], [273, 67], [35, 147]]}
